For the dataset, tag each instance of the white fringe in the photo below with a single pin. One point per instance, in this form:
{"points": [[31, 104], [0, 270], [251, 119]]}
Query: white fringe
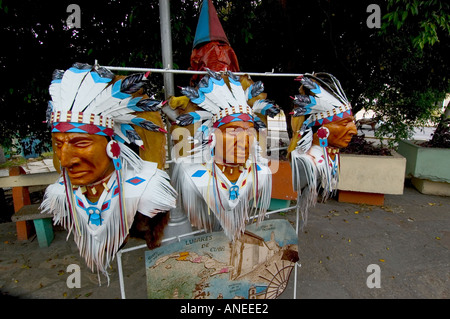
{"points": [[309, 178], [97, 252], [99, 248], [204, 210]]}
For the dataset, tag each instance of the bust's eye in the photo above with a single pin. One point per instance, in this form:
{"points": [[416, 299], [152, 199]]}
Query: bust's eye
{"points": [[345, 122], [232, 131], [82, 143]]}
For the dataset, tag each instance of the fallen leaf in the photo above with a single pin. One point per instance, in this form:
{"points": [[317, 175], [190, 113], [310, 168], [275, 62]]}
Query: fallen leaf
{"points": [[382, 260], [438, 238]]}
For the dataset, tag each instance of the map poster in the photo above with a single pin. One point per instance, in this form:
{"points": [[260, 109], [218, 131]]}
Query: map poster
{"points": [[257, 266]]}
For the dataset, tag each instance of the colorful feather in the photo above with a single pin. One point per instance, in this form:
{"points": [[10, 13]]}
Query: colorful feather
{"points": [[328, 94], [149, 105], [55, 87], [91, 86], [193, 117], [71, 82], [254, 90], [217, 95], [48, 113], [133, 83], [148, 125], [236, 89], [266, 107], [259, 124]]}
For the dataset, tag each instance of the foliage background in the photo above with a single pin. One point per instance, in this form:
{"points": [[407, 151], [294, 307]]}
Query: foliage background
{"points": [[400, 70]]}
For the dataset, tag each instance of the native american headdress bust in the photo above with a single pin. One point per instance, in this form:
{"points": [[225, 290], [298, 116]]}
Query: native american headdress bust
{"points": [[222, 178], [94, 115], [322, 122]]}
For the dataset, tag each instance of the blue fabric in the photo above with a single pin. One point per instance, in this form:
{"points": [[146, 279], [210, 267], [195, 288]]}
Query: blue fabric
{"points": [[202, 33], [199, 173]]}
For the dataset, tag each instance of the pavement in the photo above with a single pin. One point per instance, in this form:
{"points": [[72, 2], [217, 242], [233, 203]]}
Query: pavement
{"points": [[347, 251]]}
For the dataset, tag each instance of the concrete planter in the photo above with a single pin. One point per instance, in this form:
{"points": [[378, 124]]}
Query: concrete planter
{"points": [[366, 179], [428, 167]]}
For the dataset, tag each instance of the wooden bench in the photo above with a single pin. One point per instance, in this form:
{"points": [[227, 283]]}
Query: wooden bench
{"points": [[19, 181], [42, 223]]}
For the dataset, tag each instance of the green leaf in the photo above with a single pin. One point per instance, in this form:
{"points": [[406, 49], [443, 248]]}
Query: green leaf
{"points": [[404, 15]]}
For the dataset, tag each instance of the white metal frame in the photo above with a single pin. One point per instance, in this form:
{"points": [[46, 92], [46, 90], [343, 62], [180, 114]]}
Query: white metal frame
{"points": [[173, 71]]}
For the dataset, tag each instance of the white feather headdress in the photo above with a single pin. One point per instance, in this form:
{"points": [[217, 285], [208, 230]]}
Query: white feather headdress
{"points": [[326, 102], [89, 99], [222, 99]]}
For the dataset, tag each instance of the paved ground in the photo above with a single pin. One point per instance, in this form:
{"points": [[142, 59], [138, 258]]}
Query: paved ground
{"points": [[408, 238]]}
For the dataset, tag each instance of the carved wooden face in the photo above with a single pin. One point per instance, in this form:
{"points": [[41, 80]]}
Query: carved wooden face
{"points": [[234, 142], [83, 156], [341, 132]]}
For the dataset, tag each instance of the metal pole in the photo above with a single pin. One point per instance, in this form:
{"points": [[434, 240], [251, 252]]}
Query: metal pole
{"points": [[179, 223], [166, 46], [121, 283]]}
